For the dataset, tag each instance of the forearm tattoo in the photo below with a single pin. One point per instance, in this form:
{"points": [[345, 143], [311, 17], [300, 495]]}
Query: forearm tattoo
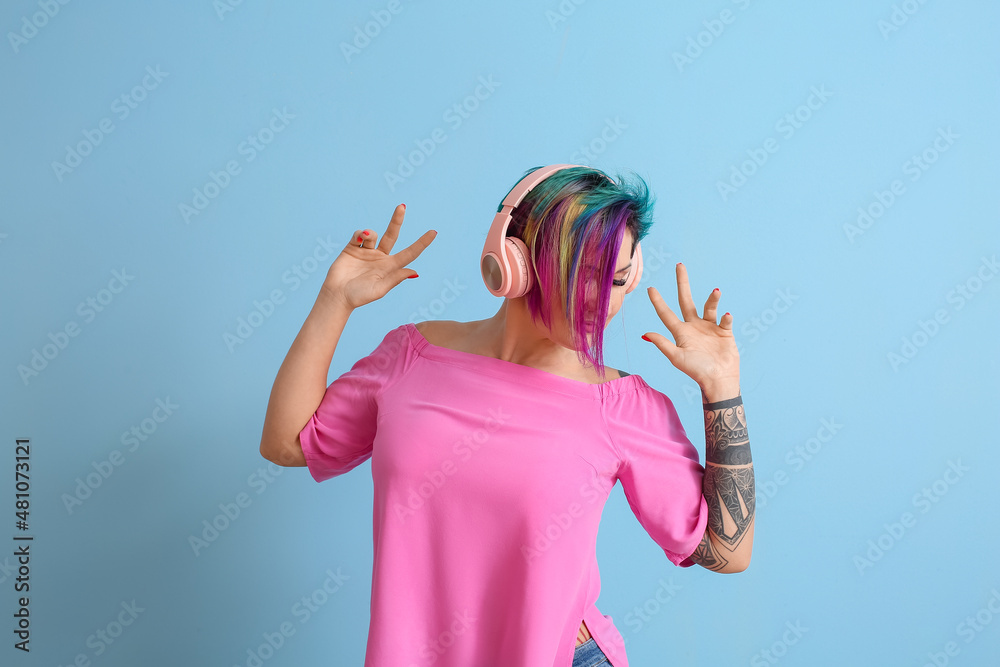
{"points": [[728, 484], [708, 556], [726, 439]]}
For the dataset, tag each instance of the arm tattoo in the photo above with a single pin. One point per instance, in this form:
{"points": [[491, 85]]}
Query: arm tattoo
{"points": [[728, 484], [726, 439], [730, 495], [707, 556]]}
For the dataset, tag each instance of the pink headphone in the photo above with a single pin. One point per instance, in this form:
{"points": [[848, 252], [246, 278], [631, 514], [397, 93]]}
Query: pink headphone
{"points": [[509, 273]]}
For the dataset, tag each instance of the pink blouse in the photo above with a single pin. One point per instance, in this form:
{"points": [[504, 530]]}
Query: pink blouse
{"points": [[489, 482]]}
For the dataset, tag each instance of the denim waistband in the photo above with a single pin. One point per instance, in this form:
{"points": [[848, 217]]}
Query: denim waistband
{"points": [[589, 654]]}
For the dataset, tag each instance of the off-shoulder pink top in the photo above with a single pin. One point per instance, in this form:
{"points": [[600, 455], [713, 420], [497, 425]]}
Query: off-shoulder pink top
{"points": [[490, 478]]}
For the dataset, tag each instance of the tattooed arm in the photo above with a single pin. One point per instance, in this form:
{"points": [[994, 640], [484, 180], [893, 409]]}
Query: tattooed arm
{"points": [[728, 485]]}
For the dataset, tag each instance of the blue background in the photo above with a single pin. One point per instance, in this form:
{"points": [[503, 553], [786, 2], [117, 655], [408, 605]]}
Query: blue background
{"points": [[820, 306]]}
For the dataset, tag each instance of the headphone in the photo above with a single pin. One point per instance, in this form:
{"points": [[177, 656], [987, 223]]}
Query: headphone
{"points": [[509, 273]]}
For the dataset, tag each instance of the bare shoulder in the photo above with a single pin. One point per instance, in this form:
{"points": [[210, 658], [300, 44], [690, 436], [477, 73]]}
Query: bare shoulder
{"points": [[460, 336], [430, 329], [443, 333]]}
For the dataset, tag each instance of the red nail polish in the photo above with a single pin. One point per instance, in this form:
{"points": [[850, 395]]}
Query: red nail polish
{"points": [[644, 338], [366, 233], [415, 275], [727, 312], [404, 206], [715, 290], [360, 239]]}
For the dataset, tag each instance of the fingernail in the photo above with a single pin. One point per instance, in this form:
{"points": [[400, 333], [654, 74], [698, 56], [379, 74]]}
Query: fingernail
{"points": [[644, 338], [715, 290], [366, 233], [415, 275], [404, 206], [727, 312], [360, 239]]}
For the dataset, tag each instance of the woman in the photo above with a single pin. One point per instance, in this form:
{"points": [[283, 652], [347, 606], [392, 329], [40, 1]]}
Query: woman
{"points": [[495, 443]]}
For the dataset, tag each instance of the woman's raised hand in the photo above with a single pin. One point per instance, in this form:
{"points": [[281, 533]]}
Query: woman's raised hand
{"points": [[705, 349], [364, 271]]}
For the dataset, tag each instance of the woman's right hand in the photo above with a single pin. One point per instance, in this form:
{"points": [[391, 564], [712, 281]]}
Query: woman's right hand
{"points": [[364, 272]]}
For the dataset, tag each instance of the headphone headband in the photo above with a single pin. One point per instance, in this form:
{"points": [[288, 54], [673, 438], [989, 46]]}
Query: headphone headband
{"points": [[505, 262]]}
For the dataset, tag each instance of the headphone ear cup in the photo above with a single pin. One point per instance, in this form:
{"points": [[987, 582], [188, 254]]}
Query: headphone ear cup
{"points": [[635, 274], [522, 277]]}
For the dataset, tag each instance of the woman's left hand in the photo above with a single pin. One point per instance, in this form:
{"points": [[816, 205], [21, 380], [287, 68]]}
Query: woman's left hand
{"points": [[704, 350]]}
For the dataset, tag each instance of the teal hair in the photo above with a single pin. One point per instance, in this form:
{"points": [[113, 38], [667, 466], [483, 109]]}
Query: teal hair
{"points": [[573, 224]]}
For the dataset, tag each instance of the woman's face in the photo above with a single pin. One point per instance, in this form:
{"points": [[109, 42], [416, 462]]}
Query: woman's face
{"points": [[560, 332]]}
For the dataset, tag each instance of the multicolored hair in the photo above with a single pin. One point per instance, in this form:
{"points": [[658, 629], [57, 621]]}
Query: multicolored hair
{"points": [[573, 224]]}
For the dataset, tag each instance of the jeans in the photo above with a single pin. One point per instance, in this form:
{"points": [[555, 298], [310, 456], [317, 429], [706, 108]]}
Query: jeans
{"points": [[589, 654]]}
